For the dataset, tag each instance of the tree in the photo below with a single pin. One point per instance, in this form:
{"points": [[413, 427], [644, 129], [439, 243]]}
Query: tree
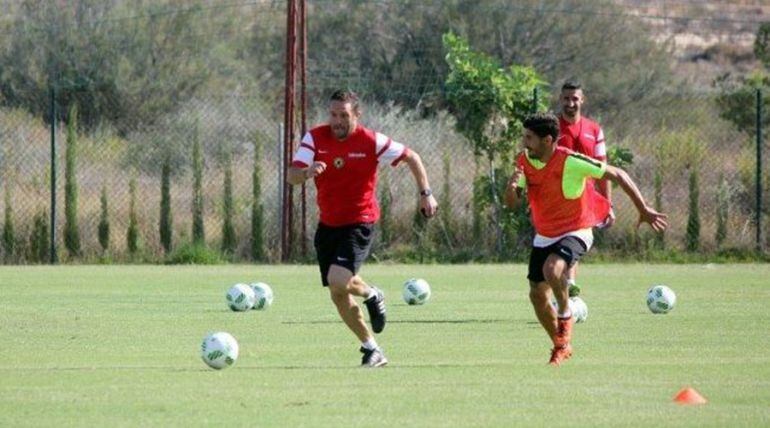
{"points": [[737, 101], [692, 240], [490, 104], [401, 58], [386, 207], [132, 235], [104, 222], [257, 211], [723, 211], [198, 233], [166, 225], [9, 233], [122, 71], [38, 238], [71, 229], [229, 243]]}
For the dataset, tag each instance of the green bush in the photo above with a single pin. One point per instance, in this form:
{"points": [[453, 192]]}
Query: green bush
{"points": [[71, 229], [104, 222], [193, 253], [166, 225]]}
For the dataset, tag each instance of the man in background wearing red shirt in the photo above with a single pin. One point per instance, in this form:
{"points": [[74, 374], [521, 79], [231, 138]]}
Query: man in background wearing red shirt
{"points": [[342, 158], [564, 210], [582, 135]]}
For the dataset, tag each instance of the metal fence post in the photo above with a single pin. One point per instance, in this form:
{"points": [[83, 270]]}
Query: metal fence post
{"points": [[53, 255], [759, 171], [534, 99]]}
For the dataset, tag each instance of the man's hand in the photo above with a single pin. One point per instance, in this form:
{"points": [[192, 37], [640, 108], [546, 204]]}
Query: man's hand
{"points": [[655, 219], [513, 182], [428, 206], [316, 169], [608, 221]]}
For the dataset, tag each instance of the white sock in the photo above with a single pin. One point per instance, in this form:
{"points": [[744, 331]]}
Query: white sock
{"points": [[372, 292], [565, 314], [370, 344]]}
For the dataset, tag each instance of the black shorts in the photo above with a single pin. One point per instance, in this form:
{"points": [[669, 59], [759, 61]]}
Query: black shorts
{"points": [[347, 246], [569, 248]]}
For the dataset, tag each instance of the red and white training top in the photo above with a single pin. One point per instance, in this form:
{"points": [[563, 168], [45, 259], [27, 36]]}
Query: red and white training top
{"points": [[584, 136], [347, 189]]}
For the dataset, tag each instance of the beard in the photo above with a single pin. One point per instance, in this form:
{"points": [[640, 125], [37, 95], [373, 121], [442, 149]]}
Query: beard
{"points": [[341, 132]]}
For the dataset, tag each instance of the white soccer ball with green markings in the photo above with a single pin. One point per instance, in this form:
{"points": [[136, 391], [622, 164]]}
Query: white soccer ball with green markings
{"points": [[579, 309], [660, 299], [263, 294], [219, 350], [577, 306], [416, 291], [240, 297]]}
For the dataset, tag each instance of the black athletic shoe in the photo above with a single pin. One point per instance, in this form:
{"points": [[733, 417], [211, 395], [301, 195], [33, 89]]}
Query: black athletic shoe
{"points": [[376, 307], [372, 358]]}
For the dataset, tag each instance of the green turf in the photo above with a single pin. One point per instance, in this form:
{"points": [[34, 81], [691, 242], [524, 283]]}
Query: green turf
{"points": [[114, 346]]}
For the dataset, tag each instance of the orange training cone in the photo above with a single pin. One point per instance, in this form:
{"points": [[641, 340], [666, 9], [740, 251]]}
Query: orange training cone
{"points": [[689, 396]]}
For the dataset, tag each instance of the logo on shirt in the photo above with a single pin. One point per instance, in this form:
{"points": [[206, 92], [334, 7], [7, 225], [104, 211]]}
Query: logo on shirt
{"points": [[322, 152], [587, 135], [356, 155], [339, 163]]}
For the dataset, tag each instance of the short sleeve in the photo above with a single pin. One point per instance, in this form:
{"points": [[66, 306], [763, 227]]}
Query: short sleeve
{"points": [[305, 153], [600, 149], [389, 151], [581, 166]]}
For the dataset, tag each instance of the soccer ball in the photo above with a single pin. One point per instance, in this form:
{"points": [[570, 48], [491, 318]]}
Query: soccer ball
{"points": [[579, 309], [264, 295], [660, 299], [219, 350], [576, 305], [416, 291], [240, 297]]}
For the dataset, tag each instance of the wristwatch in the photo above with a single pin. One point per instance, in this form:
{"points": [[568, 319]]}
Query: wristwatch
{"points": [[425, 193]]}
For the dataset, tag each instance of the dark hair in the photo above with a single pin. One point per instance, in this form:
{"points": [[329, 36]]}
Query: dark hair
{"points": [[543, 124], [346, 96], [571, 85]]}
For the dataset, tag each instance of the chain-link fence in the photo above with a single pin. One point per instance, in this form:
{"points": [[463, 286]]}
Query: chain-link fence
{"points": [[688, 157], [693, 165]]}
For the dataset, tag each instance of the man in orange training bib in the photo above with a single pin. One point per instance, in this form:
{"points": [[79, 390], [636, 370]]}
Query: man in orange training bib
{"points": [[564, 210]]}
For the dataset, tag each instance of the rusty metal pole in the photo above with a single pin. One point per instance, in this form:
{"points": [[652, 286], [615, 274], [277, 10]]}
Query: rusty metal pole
{"points": [[288, 119], [303, 107]]}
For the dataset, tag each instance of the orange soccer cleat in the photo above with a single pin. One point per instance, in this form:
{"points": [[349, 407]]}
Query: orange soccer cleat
{"points": [[560, 354]]}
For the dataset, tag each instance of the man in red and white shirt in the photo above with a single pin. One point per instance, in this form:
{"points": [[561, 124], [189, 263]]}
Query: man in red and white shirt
{"points": [[564, 210], [342, 157], [582, 135]]}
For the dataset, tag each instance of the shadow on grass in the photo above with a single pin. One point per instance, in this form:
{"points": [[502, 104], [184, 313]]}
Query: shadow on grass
{"points": [[467, 321]]}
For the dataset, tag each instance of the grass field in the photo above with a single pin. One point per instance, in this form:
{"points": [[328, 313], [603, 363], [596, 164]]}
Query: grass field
{"points": [[119, 346]]}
